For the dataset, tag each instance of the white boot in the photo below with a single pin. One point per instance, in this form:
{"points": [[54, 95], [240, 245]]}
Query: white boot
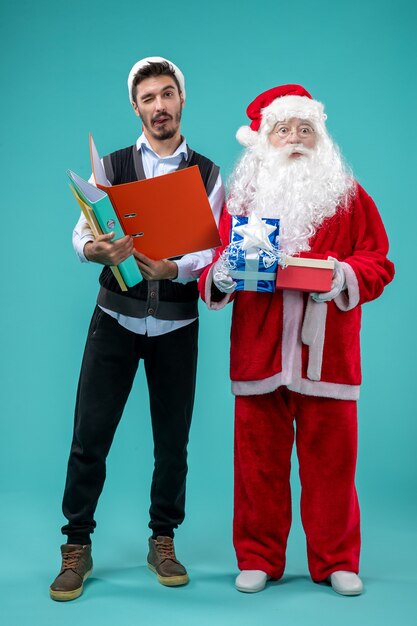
{"points": [[251, 580], [346, 583]]}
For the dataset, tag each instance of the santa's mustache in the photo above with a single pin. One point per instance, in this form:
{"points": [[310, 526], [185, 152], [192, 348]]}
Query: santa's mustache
{"points": [[295, 148], [273, 157]]}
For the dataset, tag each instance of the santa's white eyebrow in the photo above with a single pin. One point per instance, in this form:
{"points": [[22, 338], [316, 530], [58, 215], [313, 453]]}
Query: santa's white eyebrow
{"points": [[307, 122]]}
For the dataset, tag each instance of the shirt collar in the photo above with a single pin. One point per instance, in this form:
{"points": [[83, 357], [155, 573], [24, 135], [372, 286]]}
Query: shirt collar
{"points": [[142, 142]]}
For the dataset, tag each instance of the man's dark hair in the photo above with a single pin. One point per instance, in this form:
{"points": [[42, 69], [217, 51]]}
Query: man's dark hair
{"points": [[162, 68]]}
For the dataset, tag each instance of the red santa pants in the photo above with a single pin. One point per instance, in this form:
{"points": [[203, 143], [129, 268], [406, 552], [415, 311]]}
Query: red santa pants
{"points": [[326, 440]]}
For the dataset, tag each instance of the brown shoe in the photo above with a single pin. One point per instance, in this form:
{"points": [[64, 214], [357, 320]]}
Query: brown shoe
{"points": [[77, 565], [162, 561]]}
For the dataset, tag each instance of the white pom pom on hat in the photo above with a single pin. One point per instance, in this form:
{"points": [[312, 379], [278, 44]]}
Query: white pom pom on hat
{"points": [[137, 66], [246, 136], [279, 103]]}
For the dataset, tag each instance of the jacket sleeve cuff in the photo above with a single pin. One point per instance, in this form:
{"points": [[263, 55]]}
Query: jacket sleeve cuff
{"points": [[184, 275], [215, 303], [80, 248], [349, 297]]}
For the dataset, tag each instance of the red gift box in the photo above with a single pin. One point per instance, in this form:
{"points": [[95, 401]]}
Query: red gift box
{"points": [[306, 274]]}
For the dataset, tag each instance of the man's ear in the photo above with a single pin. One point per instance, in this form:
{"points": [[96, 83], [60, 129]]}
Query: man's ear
{"points": [[136, 109]]}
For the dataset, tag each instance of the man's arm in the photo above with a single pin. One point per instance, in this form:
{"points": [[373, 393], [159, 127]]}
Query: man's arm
{"points": [[81, 235], [100, 249], [156, 270], [107, 252]]}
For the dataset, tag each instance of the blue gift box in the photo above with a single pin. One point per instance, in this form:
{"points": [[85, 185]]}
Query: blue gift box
{"points": [[253, 268]]}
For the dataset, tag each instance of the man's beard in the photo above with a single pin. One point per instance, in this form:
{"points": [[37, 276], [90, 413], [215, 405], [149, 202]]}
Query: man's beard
{"points": [[163, 133], [302, 191]]}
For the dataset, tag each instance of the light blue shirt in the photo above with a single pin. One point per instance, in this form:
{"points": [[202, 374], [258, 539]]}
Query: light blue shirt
{"points": [[190, 266]]}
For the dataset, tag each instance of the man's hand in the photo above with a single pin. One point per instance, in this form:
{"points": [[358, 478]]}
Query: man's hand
{"points": [[103, 250], [156, 270]]}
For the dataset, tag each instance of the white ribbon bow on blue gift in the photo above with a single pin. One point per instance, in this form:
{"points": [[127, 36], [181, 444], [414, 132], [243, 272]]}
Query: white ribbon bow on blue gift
{"points": [[255, 234]]}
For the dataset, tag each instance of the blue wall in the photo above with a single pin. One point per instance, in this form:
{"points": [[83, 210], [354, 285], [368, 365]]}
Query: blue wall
{"points": [[63, 74]]}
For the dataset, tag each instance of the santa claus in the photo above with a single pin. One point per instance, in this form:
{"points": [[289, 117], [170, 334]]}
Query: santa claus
{"points": [[295, 356]]}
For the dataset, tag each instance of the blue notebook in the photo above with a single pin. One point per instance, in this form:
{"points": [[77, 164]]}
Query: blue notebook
{"points": [[100, 204]]}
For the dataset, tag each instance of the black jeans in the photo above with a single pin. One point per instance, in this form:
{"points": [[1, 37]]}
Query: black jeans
{"points": [[110, 361]]}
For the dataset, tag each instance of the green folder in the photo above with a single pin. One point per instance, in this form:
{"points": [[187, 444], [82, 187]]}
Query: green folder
{"points": [[100, 204]]}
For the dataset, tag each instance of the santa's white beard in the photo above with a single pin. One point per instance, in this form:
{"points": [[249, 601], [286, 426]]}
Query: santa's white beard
{"points": [[301, 191]]}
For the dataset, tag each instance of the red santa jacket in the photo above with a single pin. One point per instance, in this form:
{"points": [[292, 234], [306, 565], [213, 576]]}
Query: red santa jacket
{"points": [[285, 338]]}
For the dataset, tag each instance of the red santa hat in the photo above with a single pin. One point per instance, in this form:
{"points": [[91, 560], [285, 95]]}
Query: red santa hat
{"points": [[137, 66], [276, 105]]}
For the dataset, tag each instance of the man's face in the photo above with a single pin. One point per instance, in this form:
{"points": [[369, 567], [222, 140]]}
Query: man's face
{"points": [[294, 134], [159, 105]]}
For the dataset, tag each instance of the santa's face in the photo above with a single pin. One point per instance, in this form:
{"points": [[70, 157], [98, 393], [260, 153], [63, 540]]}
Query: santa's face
{"points": [[294, 134], [295, 173]]}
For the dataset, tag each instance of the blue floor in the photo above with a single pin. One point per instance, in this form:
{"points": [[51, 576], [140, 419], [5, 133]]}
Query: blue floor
{"points": [[123, 591]]}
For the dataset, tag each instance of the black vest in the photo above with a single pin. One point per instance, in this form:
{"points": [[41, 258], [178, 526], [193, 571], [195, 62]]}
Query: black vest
{"points": [[163, 299]]}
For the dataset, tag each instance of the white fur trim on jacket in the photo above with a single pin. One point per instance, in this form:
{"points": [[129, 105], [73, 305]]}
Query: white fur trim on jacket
{"points": [[349, 297], [214, 305], [312, 335]]}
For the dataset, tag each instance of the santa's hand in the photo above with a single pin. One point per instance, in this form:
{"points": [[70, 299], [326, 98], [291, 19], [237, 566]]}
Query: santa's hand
{"points": [[222, 279], [338, 284]]}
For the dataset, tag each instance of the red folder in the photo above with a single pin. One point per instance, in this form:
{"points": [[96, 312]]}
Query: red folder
{"points": [[167, 216], [306, 274]]}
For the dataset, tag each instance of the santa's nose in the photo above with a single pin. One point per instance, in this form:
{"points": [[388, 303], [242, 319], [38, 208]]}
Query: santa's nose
{"points": [[293, 136]]}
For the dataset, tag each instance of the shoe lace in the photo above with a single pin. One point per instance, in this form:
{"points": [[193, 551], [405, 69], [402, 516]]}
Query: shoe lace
{"points": [[70, 559], [165, 550]]}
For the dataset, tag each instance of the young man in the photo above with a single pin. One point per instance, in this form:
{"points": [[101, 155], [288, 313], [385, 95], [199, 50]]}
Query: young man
{"points": [[295, 356], [155, 321]]}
